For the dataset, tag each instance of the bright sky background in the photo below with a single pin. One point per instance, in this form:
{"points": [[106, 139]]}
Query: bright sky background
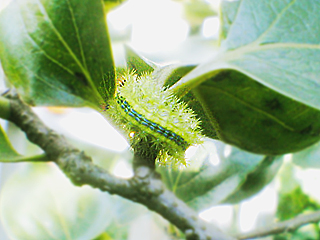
{"points": [[151, 31]]}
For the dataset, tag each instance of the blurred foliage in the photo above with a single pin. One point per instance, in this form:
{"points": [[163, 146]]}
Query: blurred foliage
{"points": [[309, 157], [55, 209], [195, 12], [293, 201], [237, 176], [304, 233]]}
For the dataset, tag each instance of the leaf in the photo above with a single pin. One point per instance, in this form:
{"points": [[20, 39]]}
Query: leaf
{"points": [[308, 158], [274, 42], [292, 204], [254, 117], [57, 52], [4, 106], [169, 75], [257, 179], [6, 149], [111, 4], [9, 154], [39, 202], [212, 184], [239, 111], [137, 63], [295, 203], [103, 236]]}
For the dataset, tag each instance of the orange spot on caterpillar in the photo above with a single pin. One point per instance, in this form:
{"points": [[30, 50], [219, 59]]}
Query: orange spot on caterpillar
{"points": [[104, 106]]}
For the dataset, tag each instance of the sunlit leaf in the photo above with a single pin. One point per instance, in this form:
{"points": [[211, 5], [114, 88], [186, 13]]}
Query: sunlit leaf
{"points": [[57, 52], [237, 110], [274, 42]]}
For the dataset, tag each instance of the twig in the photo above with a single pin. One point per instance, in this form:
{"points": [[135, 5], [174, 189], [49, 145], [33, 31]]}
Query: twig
{"points": [[284, 226], [145, 187]]}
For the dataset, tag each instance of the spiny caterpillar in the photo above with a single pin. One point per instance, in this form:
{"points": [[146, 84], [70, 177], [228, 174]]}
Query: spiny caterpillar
{"points": [[153, 126], [145, 110]]}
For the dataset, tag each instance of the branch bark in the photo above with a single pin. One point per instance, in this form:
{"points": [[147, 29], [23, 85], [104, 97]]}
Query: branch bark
{"points": [[145, 187], [284, 226]]}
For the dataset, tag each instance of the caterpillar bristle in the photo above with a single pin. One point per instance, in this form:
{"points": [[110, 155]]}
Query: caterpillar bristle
{"points": [[143, 107]]}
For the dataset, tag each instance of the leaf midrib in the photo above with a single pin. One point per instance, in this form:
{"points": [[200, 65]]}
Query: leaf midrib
{"points": [[65, 44], [270, 116]]}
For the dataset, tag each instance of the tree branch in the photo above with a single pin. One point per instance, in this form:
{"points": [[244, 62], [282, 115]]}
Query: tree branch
{"points": [[284, 226], [145, 187]]}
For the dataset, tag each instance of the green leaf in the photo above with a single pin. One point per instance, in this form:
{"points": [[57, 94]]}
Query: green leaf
{"points": [[168, 76], [4, 107], [103, 236], [8, 153], [39, 202], [57, 52], [254, 117], [257, 179], [6, 149], [237, 110], [111, 4], [274, 42], [295, 203], [137, 63], [308, 158], [212, 184]]}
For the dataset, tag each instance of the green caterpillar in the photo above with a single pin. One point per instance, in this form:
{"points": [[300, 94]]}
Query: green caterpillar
{"points": [[143, 109], [152, 125]]}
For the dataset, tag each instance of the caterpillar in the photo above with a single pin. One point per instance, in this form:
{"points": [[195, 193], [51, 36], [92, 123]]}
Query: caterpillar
{"points": [[153, 126], [143, 109]]}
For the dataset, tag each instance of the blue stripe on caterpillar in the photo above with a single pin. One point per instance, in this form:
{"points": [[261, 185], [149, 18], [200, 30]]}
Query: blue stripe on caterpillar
{"points": [[151, 125]]}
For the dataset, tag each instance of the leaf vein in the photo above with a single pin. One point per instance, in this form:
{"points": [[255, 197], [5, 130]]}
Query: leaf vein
{"points": [[65, 44], [77, 34], [257, 109]]}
